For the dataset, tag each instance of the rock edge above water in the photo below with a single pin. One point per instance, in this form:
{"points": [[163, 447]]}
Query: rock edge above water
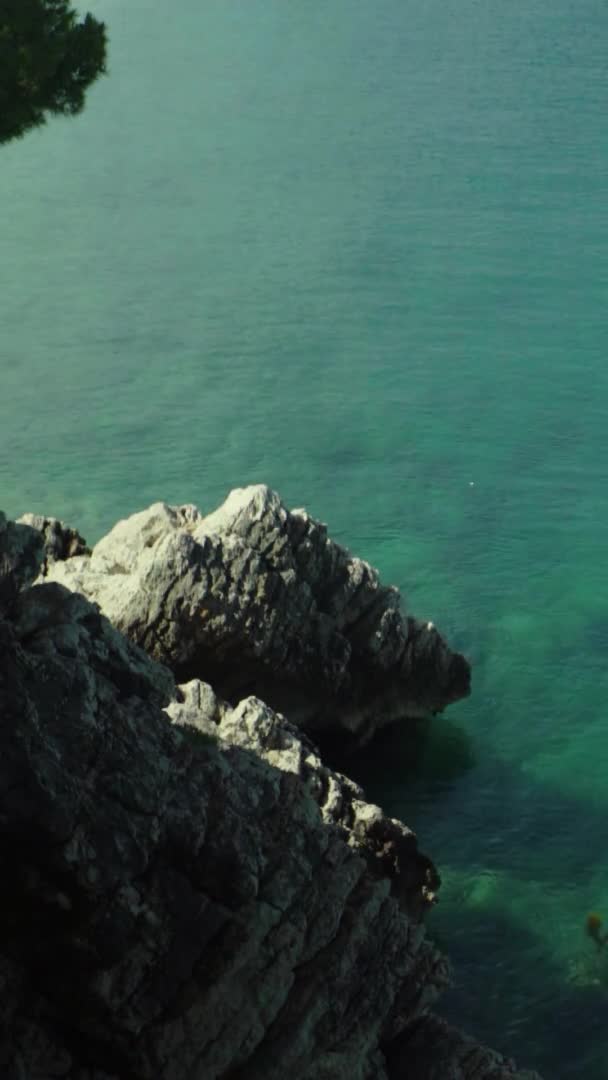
{"points": [[254, 598], [188, 891]]}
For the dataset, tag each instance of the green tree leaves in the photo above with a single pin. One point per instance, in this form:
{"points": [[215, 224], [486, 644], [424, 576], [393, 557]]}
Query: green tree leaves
{"points": [[48, 60]]}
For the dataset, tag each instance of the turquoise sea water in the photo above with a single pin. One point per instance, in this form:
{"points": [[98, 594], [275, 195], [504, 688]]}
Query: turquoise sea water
{"points": [[360, 253]]}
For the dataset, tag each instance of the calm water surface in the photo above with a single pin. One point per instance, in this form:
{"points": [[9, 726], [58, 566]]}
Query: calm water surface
{"points": [[360, 252]]}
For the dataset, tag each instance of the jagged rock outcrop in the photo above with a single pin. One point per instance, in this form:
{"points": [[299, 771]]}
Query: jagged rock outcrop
{"points": [[21, 556], [388, 846], [188, 892], [256, 599], [60, 541], [435, 1050]]}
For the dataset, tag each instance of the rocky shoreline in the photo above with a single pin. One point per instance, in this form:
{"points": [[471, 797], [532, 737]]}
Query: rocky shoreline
{"points": [[190, 893]]}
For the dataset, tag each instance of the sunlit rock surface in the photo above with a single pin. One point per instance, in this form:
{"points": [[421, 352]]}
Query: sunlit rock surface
{"points": [[256, 599]]}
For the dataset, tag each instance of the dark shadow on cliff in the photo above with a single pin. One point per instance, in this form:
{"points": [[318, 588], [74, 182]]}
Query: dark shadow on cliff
{"points": [[143, 867], [487, 799]]}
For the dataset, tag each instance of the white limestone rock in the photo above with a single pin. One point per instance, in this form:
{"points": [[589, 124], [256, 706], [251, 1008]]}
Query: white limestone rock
{"points": [[259, 600]]}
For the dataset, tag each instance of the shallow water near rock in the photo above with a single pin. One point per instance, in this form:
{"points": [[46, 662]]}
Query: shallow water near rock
{"points": [[360, 255]]}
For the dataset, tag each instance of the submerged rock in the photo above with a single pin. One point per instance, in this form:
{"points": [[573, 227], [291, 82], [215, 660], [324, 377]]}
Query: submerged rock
{"points": [[256, 599]]}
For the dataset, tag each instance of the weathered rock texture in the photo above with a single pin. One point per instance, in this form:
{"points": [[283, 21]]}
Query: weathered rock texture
{"points": [[60, 541], [21, 554], [187, 892], [256, 599]]}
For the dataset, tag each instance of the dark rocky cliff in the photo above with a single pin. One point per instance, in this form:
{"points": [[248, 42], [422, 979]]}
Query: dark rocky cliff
{"points": [[188, 892]]}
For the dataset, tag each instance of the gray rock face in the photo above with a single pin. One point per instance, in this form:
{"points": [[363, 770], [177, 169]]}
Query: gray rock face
{"points": [[189, 892], [21, 556], [256, 599], [389, 848], [59, 540]]}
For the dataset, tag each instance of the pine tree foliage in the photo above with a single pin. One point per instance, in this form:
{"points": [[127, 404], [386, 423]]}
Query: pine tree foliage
{"points": [[48, 59]]}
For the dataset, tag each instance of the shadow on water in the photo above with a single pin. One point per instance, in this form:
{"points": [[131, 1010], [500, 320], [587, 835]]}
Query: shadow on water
{"points": [[518, 1001], [431, 751], [526, 979], [430, 776]]}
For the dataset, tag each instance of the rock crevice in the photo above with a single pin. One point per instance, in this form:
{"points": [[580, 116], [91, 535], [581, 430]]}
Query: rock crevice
{"points": [[189, 891], [257, 599]]}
